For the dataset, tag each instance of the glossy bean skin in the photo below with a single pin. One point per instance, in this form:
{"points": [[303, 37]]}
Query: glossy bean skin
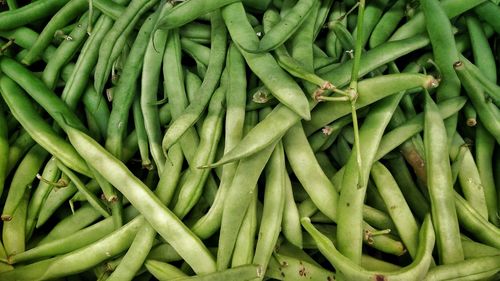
{"points": [[245, 177], [398, 208], [255, 141], [312, 178], [123, 96], [190, 191], [28, 13], [110, 49], [14, 231], [22, 108], [23, 177], [113, 170], [415, 271], [79, 260], [214, 71], [278, 34], [149, 94], [470, 269], [355, 180], [68, 12], [387, 23], [488, 13], [484, 151], [65, 52], [188, 11], [234, 131], [35, 87], [274, 203], [472, 221], [482, 52], [440, 186], [417, 23]]}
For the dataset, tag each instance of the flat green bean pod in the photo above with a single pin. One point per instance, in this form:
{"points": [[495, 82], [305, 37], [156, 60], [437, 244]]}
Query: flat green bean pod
{"points": [[41, 131], [188, 11], [162, 219], [415, 271]]}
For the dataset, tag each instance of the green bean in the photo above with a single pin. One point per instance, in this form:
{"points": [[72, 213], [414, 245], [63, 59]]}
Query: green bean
{"points": [[174, 232], [440, 186], [29, 13], [109, 50], [163, 252], [244, 247], [469, 269], [489, 13], [193, 112], [475, 250], [415, 271], [14, 230], [68, 12], [199, 52], [311, 176], [285, 267], [234, 124], [255, 140], [54, 200], [65, 52], [484, 144], [387, 23], [483, 55], [149, 92], [96, 105], [416, 200], [416, 24], [4, 149], [188, 11], [490, 87], [142, 137], [274, 202], [197, 32], [290, 225], [398, 208], [81, 218], [109, 8], [66, 244], [469, 177], [78, 80], [23, 177], [124, 94], [476, 95], [18, 148], [354, 183], [39, 91], [239, 27], [284, 29], [162, 270], [415, 125], [370, 263], [244, 273], [190, 191], [91, 198], [79, 260], [245, 178], [373, 13], [333, 47], [479, 227]]}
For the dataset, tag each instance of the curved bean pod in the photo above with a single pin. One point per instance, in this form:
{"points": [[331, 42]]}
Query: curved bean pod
{"points": [[22, 108], [415, 271], [29, 13], [169, 226]]}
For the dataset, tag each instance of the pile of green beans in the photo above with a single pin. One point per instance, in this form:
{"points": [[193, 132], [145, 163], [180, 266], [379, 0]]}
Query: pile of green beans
{"points": [[250, 140]]}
